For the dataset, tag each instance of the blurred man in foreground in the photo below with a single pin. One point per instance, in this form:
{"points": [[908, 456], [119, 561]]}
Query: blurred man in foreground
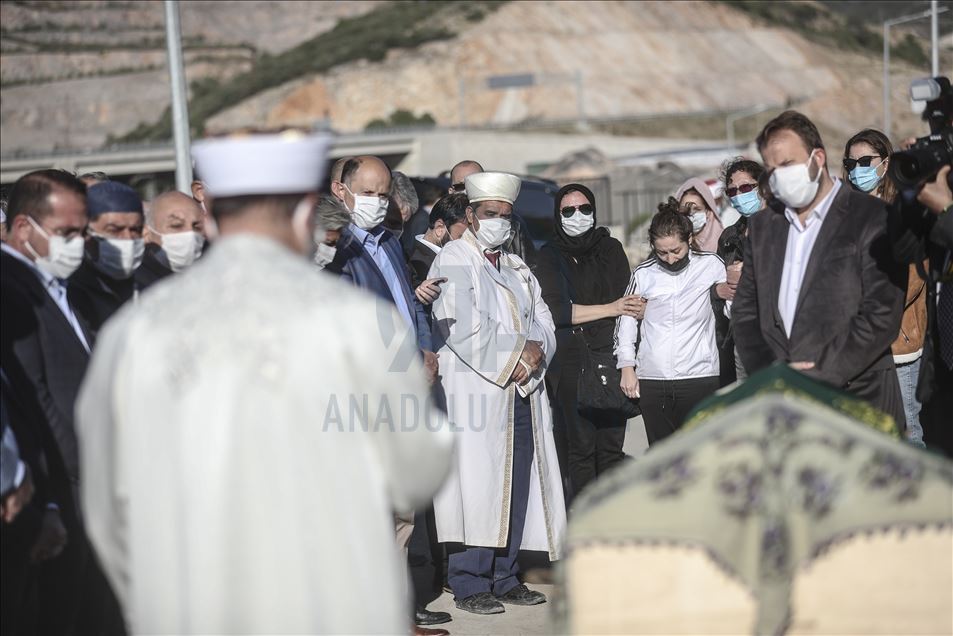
{"points": [[234, 484]]}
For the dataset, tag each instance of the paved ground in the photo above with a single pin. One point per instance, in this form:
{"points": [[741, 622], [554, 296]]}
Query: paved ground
{"points": [[516, 620], [523, 620]]}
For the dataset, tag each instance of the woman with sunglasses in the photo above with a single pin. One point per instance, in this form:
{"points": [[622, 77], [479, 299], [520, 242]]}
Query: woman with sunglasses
{"points": [[582, 274], [740, 177], [866, 159], [669, 358]]}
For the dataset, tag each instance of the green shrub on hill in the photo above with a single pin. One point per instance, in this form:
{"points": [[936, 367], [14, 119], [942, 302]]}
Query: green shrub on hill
{"points": [[395, 25], [401, 118], [819, 23]]}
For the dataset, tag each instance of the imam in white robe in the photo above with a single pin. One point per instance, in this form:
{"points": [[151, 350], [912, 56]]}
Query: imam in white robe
{"points": [[243, 447], [481, 322]]}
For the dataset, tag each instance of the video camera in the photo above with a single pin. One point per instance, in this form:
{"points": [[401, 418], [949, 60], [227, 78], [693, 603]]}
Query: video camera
{"points": [[911, 168]]}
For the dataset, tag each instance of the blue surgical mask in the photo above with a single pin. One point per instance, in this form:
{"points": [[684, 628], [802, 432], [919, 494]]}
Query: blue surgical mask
{"points": [[865, 178], [747, 203]]}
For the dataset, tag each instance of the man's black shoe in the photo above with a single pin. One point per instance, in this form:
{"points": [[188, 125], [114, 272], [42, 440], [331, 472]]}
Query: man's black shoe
{"points": [[426, 617], [522, 595], [482, 603]]}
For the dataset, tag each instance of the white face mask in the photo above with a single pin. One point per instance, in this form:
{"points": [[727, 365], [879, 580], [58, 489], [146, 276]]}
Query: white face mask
{"points": [[793, 185], [181, 248], [118, 258], [368, 212], [493, 233], [699, 219], [324, 256], [578, 224], [64, 257]]}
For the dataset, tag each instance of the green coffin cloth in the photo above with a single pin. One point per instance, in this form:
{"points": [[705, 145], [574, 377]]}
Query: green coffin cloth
{"points": [[764, 487], [780, 378]]}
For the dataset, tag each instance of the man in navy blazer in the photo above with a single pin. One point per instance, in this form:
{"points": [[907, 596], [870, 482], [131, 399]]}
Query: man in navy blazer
{"points": [[370, 257]]}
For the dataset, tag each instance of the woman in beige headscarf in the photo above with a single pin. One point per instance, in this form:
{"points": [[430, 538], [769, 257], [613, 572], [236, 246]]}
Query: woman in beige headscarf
{"points": [[696, 200]]}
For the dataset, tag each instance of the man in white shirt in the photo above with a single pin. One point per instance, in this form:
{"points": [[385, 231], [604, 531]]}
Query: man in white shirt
{"points": [[821, 290]]}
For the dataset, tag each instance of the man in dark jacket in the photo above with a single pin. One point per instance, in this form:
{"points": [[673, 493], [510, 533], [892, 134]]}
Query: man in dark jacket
{"points": [[820, 289], [114, 250], [45, 348], [174, 237], [923, 230]]}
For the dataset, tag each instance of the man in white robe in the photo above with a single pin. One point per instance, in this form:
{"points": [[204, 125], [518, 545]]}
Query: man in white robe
{"points": [[246, 429], [495, 337]]}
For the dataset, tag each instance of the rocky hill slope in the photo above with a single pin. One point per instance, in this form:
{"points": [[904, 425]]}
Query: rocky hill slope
{"points": [[600, 60]]}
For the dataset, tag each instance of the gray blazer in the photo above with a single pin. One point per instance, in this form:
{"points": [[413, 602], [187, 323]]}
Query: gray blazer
{"points": [[850, 304]]}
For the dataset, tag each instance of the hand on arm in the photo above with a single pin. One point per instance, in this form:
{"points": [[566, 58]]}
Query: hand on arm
{"points": [[631, 305]]}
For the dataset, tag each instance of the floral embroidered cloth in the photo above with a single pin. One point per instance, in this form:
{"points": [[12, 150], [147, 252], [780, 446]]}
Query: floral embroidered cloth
{"points": [[763, 488], [780, 378]]}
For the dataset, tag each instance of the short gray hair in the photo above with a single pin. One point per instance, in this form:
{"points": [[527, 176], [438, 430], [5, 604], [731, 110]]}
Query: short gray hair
{"points": [[402, 192], [331, 215]]}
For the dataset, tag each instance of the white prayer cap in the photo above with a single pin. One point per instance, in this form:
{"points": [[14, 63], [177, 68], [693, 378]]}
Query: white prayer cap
{"points": [[285, 163], [492, 186]]}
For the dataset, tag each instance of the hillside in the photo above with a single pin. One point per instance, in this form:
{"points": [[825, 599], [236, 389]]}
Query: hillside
{"points": [[689, 61]]}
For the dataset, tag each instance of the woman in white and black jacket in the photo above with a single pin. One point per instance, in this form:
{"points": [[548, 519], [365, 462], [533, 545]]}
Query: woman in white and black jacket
{"points": [[669, 358]]}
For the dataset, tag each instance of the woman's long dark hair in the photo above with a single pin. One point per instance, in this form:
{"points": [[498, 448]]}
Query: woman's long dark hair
{"points": [[881, 145]]}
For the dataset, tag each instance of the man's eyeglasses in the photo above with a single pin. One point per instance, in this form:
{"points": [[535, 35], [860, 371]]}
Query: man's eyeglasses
{"points": [[569, 210], [459, 187], [744, 188], [864, 162]]}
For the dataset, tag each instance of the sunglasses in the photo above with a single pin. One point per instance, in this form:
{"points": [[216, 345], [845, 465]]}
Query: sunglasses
{"points": [[863, 162], [744, 188], [459, 187], [569, 210]]}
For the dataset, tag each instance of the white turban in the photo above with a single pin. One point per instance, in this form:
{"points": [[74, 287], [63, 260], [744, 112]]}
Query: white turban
{"points": [[493, 186], [286, 163]]}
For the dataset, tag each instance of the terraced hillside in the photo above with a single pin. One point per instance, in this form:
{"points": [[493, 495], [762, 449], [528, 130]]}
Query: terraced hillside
{"points": [[76, 74]]}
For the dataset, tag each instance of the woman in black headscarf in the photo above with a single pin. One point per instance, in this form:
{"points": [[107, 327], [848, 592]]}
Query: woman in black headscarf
{"points": [[583, 273]]}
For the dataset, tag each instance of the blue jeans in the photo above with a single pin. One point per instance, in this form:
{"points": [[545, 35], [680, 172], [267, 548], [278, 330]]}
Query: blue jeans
{"points": [[908, 374]]}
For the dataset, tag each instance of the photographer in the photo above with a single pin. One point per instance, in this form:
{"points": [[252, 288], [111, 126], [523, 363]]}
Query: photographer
{"points": [[921, 228]]}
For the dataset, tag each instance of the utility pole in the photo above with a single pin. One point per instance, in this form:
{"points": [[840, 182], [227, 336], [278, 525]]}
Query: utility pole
{"points": [[934, 39], [180, 101]]}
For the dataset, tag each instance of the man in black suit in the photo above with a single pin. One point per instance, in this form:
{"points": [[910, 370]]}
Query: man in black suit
{"points": [[447, 222], [820, 289], [45, 348], [114, 250]]}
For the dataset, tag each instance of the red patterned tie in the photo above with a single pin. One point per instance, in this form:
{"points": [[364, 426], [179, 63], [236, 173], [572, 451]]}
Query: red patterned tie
{"points": [[493, 257]]}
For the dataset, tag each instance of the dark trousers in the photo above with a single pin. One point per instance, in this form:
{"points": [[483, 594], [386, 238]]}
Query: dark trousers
{"points": [[476, 569], [423, 555], [666, 403], [593, 443], [18, 600]]}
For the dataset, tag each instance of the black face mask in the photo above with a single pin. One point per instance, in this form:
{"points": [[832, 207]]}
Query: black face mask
{"points": [[675, 267]]}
